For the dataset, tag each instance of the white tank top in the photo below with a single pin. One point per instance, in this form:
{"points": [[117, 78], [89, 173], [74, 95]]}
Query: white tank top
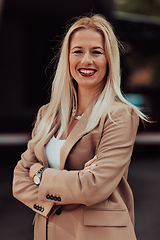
{"points": [[52, 151]]}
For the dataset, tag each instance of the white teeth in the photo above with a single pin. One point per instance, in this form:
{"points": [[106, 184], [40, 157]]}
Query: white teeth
{"points": [[86, 71]]}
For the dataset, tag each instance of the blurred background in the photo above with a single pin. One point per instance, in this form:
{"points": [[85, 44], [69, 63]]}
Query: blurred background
{"points": [[30, 32]]}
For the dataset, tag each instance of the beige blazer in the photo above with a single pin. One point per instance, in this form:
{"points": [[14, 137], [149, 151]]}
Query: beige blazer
{"points": [[83, 205]]}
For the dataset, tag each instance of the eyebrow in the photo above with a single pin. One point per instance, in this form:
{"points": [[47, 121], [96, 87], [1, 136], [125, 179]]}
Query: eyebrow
{"points": [[76, 47], [92, 48], [98, 48]]}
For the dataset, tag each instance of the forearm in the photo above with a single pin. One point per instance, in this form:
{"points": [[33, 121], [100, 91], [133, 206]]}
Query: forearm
{"points": [[27, 192], [84, 187]]}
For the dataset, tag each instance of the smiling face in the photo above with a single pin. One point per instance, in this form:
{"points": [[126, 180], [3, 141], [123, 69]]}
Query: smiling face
{"points": [[87, 59]]}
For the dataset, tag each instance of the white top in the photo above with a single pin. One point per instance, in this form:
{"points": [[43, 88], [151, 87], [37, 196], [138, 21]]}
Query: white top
{"points": [[52, 151]]}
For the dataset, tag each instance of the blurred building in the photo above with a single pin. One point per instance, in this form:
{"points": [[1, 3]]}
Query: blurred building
{"points": [[30, 29], [140, 61]]}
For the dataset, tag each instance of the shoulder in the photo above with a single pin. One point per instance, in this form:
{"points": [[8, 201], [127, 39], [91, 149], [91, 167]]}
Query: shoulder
{"points": [[120, 107], [121, 112], [42, 110], [121, 120]]}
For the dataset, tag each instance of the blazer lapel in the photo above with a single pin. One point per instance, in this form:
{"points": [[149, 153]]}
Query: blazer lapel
{"points": [[74, 136]]}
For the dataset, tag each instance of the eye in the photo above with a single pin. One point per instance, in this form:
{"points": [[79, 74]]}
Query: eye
{"points": [[77, 52], [96, 52]]}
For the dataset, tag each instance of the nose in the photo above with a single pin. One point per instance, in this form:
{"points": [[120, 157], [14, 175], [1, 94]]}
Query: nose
{"points": [[87, 58]]}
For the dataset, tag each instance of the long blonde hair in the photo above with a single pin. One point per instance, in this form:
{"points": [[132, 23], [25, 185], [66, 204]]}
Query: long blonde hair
{"points": [[64, 93]]}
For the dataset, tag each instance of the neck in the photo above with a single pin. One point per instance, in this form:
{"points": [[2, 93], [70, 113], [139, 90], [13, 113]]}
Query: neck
{"points": [[85, 97]]}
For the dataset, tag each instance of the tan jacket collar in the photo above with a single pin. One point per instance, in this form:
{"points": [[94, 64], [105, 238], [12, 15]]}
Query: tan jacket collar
{"points": [[73, 137], [76, 133]]}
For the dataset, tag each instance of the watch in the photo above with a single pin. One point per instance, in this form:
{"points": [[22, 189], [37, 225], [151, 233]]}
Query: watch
{"points": [[37, 177]]}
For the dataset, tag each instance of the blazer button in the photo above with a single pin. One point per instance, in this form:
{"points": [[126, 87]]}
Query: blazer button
{"points": [[59, 199], [58, 211], [51, 197], [55, 198], [42, 209], [35, 206], [48, 196]]}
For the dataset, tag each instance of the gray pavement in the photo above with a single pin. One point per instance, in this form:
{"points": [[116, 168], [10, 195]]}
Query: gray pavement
{"points": [[144, 178]]}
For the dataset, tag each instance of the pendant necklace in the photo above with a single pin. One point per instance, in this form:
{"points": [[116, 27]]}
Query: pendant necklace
{"points": [[74, 115]]}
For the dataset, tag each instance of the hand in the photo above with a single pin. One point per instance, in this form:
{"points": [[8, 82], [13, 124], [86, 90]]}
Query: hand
{"points": [[90, 164], [34, 169]]}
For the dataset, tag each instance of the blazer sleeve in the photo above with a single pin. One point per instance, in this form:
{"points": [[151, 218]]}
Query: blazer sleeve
{"points": [[114, 153], [23, 188]]}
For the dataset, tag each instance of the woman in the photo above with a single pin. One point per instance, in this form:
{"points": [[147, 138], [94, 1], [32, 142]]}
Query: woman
{"points": [[74, 172]]}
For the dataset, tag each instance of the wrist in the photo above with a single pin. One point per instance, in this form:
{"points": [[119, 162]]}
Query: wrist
{"points": [[38, 176], [34, 169]]}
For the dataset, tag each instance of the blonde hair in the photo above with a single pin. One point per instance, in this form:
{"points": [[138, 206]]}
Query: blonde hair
{"points": [[64, 94]]}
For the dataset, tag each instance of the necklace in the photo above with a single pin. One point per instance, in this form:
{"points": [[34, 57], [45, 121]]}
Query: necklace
{"points": [[78, 117], [74, 115]]}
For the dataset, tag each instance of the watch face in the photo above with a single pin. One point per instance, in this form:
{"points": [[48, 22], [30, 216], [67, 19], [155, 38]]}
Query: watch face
{"points": [[36, 180]]}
